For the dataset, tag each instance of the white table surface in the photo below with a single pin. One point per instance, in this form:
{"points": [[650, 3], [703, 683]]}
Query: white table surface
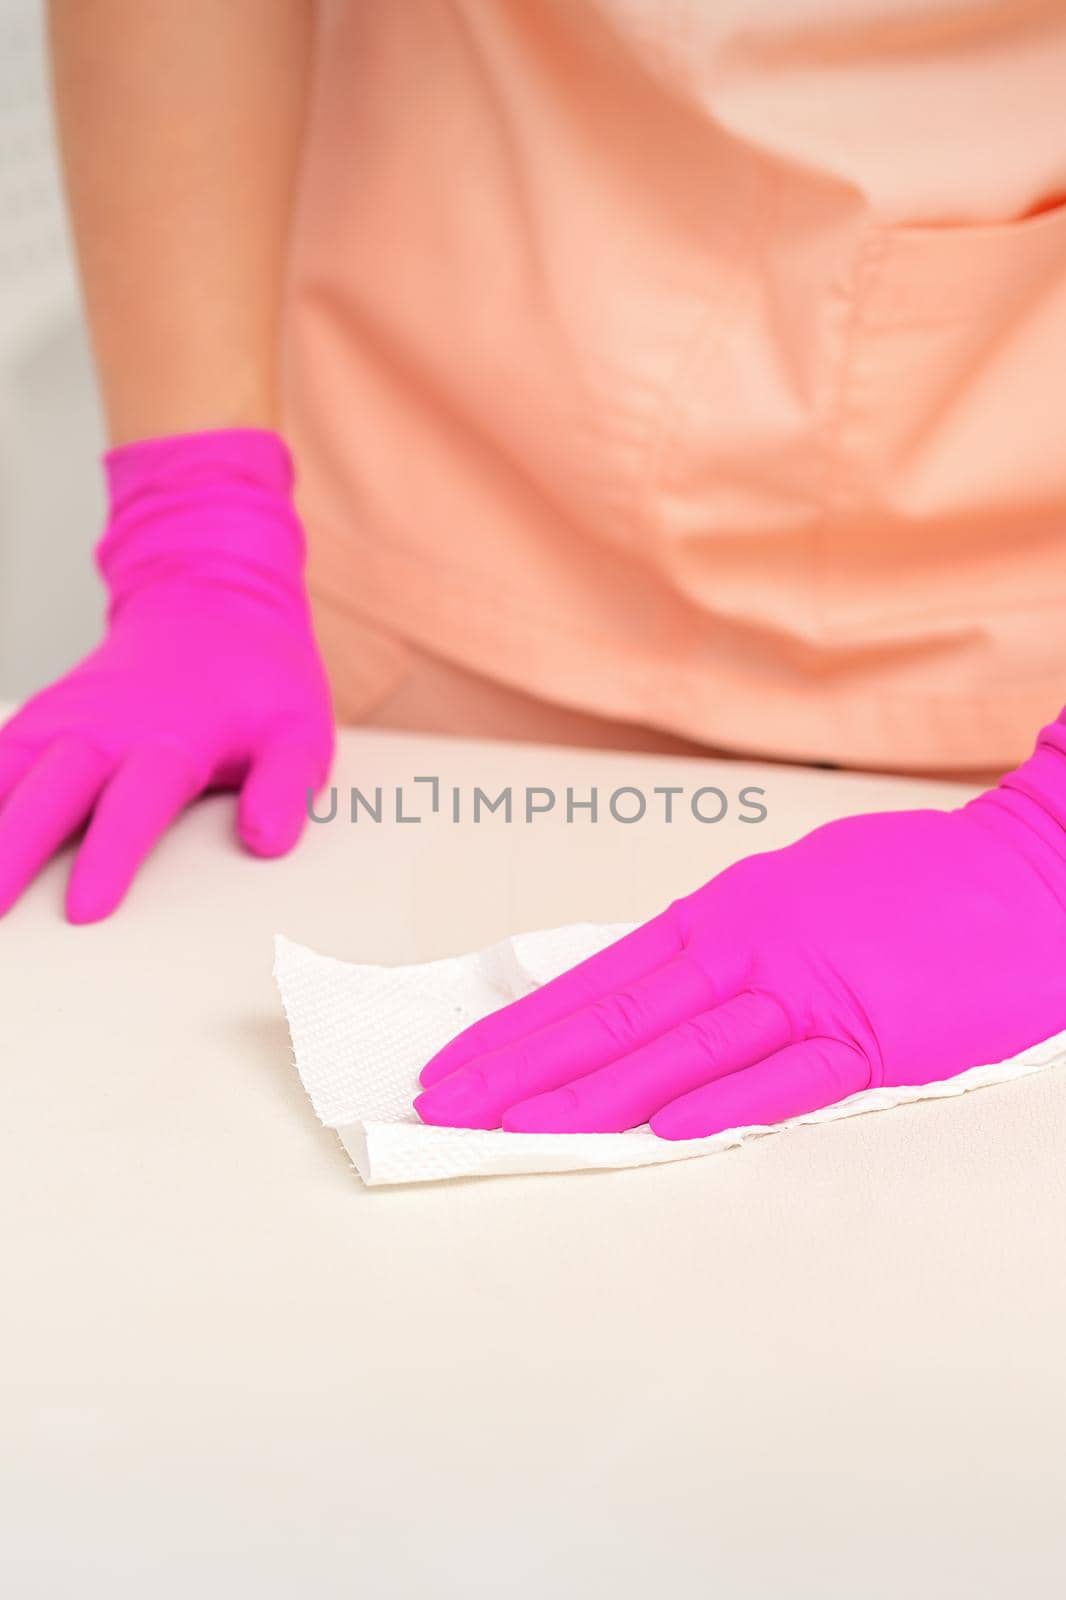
{"points": [[826, 1364]]}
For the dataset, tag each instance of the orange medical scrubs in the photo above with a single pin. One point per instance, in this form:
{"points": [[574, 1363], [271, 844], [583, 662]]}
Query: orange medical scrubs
{"points": [[695, 367]]}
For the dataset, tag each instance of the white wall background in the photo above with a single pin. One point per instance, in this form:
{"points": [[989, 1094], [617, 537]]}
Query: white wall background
{"points": [[51, 500]]}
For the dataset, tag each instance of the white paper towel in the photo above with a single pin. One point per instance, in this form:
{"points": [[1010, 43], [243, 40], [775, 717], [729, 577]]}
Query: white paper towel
{"points": [[361, 1035]]}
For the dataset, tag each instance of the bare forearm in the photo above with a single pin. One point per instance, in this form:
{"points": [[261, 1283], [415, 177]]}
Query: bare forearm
{"points": [[181, 124]]}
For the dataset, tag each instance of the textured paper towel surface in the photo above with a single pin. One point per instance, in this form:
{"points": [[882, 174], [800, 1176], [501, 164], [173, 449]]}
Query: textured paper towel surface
{"points": [[361, 1035]]}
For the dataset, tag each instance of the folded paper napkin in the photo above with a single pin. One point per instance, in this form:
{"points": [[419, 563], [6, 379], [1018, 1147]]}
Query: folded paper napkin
{"points": [[361, 1035]]}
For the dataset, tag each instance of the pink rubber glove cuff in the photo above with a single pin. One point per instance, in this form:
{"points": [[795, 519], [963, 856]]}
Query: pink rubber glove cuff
{"points": [[215, 507], [1042, 779]]}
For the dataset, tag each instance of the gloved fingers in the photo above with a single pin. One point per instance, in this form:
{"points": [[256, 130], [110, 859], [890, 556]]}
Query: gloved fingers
{"points": [[477, 1094], [16, 759], [47, 805], [630, 958], [801, 1078], [153, 784], [272, 810], [734, 1035]]}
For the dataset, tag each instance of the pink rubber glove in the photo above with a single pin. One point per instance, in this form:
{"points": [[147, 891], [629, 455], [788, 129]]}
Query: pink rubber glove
{"points": [[208, 677], [878, 950]]}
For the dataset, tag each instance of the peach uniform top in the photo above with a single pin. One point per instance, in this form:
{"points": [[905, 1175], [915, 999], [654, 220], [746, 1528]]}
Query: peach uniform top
{"points": [[698, 364]]}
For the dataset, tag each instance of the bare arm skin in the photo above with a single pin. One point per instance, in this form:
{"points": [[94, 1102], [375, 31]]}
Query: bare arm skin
{"points": [[181, 125]]}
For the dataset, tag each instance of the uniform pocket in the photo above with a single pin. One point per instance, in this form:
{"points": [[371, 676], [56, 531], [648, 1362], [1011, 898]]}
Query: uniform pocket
{"points": [[946, 488]]}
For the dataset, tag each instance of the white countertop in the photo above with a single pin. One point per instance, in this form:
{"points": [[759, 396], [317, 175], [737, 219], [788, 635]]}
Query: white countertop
{"points": [[827, 1364]]}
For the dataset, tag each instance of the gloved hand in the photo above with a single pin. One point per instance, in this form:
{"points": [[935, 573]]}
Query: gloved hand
{"points": [[886, 949], [208, 676]]}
